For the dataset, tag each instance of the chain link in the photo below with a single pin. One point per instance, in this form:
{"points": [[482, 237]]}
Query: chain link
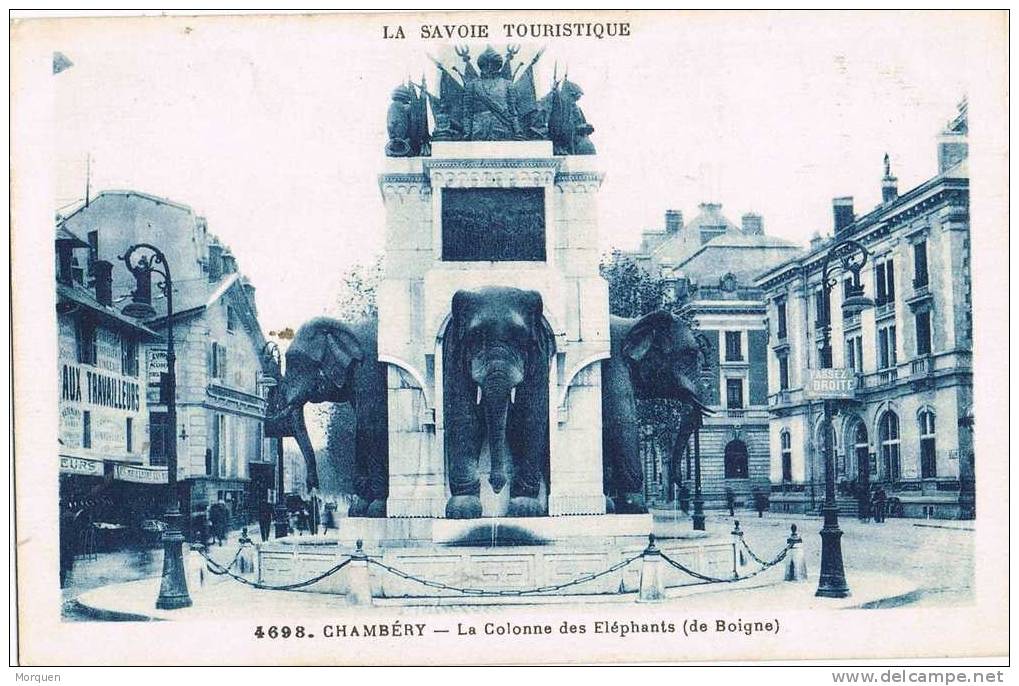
{"points": [[214, 566]]}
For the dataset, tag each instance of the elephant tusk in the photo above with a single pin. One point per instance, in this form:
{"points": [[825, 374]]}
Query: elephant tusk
{"points": [[478, 400], [513, 395]]}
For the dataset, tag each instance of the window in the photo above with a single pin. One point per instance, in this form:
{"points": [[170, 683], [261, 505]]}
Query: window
{"points": [[854, 353], [128, 357], [928, 453], [736, 460], [886, 347], [217, 361], [734, 393], [783, 372], [781, 319], [86, 429], [85, 335], [920, 278], [889, 435], [923, 332], [786, 443], [822, 307], [214, 455], [231, 319], [733, 346], [861, 447], [159, 436], [129, 434], [884, 278]]}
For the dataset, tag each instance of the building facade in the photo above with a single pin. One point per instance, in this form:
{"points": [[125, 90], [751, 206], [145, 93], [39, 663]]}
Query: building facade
{"points": [[708, 267], [221, 448], [909, 429]]}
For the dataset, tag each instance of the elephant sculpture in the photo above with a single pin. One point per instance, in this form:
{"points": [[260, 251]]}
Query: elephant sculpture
{"points": [[329, 361], [496, 354], [654, 356]]}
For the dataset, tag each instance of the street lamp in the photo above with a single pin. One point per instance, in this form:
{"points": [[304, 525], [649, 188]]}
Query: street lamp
{"points": [[143, 260], [273, 365], [849, 256]]}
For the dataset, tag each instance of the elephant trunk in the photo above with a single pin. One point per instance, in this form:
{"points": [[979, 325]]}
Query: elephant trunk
{"points": [[495, 394]]}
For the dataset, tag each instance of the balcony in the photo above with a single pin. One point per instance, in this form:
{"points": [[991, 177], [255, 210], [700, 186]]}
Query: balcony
{"points": [[888, 376], [736, 414], [921, 366], [921, 293], [884, 308], [851, 321]]}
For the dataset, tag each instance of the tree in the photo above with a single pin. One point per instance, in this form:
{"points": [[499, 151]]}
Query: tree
{"points": [[633, 292]]}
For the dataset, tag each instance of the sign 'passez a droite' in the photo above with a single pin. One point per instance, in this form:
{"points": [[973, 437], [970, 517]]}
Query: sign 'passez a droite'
{"points": [[834, 383]]}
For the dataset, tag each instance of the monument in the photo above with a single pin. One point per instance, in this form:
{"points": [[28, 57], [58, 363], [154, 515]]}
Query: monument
{"points": [[493, 327]]}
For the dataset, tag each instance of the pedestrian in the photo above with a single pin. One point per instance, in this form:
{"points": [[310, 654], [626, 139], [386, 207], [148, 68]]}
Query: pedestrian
{"points": [[264, 519], [329, 519], [303, 521], [866, 508], [879, 505], [218, 517]]}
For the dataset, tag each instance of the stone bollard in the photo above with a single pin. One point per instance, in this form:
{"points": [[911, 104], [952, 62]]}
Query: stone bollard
{"points": [[796, 563], [652, 575], [739, 559], [359, 583]]}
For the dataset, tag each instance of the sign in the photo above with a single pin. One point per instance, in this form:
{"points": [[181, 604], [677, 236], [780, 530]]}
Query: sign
{"points": [[157, 365], [78, 465], [830, 384], [139, 475]]}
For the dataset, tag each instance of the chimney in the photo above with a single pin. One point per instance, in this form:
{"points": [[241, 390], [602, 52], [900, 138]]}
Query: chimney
{"points": [[753, 224], [215, 262], [229, 262], [842, 208], [673, 221], [816, 241], [953, 145], [103, 271], [249, 290], [889, 184]]}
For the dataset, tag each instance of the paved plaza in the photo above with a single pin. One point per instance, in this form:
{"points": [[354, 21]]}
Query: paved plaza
{"points": [[898, 563]]}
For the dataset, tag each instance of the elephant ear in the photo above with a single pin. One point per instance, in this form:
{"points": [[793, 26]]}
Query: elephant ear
{"points": [[650, 330], [459, 311], [339, 349], [544, 337]]}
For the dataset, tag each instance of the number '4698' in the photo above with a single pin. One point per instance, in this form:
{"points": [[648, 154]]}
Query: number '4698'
{"points": [[279, 632]]}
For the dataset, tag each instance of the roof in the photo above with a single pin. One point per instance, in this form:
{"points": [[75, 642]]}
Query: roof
{"points": [[128, 193], [110, 316], [193, 298], [64, 234]]}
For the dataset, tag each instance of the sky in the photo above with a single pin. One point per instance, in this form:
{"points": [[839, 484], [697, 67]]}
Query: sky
{"points": [[273, 128]]}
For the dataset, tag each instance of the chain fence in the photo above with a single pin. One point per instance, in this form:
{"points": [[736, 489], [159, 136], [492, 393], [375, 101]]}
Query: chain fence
{"points": [[219, 569]]}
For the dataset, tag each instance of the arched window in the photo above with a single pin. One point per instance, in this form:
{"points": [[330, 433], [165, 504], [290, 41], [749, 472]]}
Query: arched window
{"points": [[928, 453], [861, 447], [888, 433], [786, 443], [736, 460]]}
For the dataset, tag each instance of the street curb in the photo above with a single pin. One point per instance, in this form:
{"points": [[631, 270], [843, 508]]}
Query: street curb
{"points": [[949, 528]]}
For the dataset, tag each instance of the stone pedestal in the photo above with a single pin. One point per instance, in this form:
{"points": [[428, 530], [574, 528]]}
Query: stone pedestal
{"points": [[415, 298]]}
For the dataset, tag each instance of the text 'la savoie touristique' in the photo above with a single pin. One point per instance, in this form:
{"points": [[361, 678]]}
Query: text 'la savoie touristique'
{"points": [[573, 29]]}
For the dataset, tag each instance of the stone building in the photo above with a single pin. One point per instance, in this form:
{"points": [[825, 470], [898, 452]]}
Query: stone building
{"points": [[909, 428], [708, 267], [106, 474], [222, 452]]}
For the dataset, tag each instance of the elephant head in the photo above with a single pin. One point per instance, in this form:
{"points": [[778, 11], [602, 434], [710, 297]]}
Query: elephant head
{"points": [[321, 361], [496, 353], [657, 356]]}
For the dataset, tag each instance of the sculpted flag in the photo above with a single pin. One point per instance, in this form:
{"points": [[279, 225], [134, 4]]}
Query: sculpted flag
{"points": [[451, 94], [523, 91], [419, 119]]}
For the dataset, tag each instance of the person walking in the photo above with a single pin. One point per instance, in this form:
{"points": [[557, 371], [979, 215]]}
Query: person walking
{"points": [[879, 505], [219, 516], [264, 519]]}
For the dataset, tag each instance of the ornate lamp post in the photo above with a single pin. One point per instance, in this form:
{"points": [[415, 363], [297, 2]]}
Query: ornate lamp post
{"points": [[272, 362], [143, 260], [849, 256]]}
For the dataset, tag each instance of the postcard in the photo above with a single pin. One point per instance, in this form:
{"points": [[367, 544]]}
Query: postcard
{"points": [[509, 337]]}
